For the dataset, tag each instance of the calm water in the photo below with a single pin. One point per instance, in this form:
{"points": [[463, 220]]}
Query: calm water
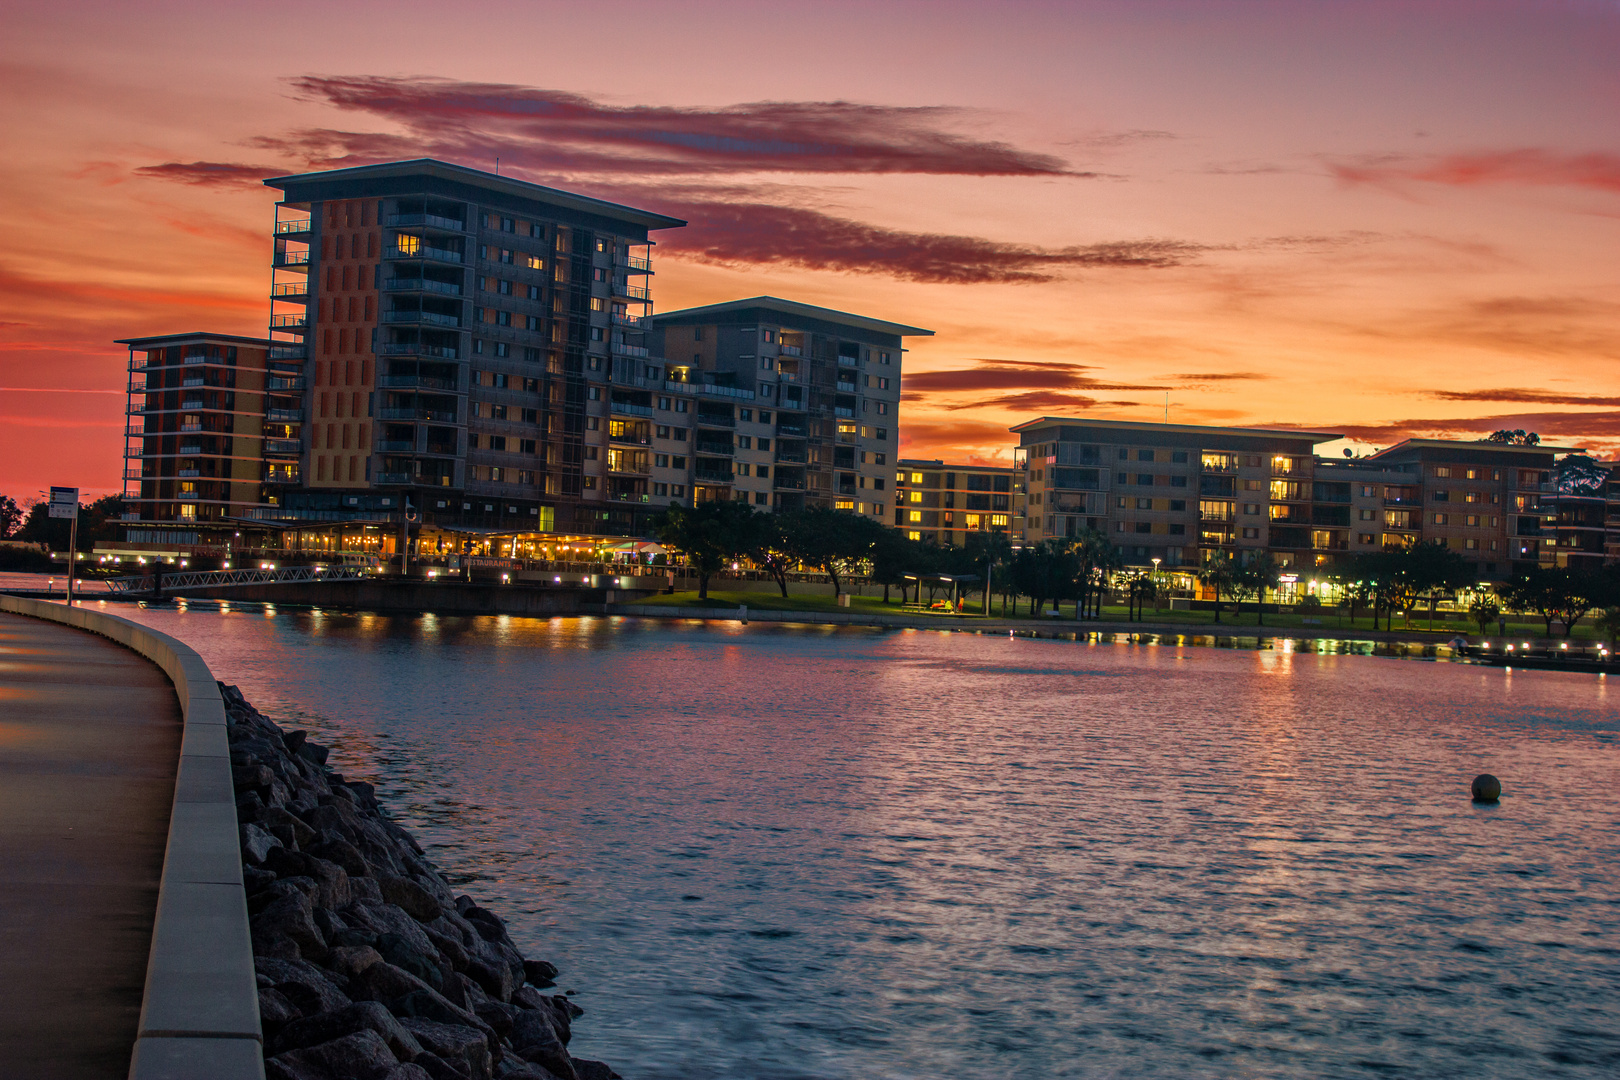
{"points": [[797, 852]]}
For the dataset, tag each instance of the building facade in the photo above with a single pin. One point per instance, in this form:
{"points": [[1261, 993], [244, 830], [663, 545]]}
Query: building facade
{"points": [[194, 433], [792, 405], [462, 341], [946, 504], [1183, 495]]}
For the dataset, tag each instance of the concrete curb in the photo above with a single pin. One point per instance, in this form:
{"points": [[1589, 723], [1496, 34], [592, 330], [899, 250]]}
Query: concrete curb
{"points": [[200, 1011]]}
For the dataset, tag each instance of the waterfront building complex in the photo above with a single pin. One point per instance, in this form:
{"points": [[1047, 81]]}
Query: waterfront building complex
{"points": [[946, 504], [478, 355]]}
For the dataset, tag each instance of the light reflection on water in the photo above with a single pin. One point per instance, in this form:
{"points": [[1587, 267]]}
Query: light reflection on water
{"points": [[774, 851]]}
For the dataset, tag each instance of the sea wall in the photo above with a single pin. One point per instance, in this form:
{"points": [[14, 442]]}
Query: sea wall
{"points": [[369, 967]]}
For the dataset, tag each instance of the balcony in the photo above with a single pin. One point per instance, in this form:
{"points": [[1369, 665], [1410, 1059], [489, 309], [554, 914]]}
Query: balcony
{"points": [[198, 358], [188, 496], [786, 484], [185, 473], [849, 361], [190, 427], [286, 383], [189, 380], [847, 414], [420, 318], [719, 449], [187, 449], [436, 415], [791, 459], [448, 288], [415, 348], [424, 251], [627, 409], [291, 260], [416, 382], [633, 263], [298, 227], [630, 350], [283, 446], [791, 350], [632, 292], [426, 221], [709, 476], [394, 446], [288, 352], [633, 321], [288, 322], [708, 389], [392, 479], [294, 293], [284, 416], [192, 403]]}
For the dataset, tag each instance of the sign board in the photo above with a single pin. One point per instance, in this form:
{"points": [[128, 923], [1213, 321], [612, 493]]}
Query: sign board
{"points": [[64, 503]]}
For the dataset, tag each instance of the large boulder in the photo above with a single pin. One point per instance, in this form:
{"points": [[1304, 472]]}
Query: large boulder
{"points": [[360, 1056], [457, 1044], [349, 1020]]}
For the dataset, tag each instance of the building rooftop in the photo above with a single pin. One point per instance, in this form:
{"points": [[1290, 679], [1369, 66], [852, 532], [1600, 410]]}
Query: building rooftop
{"points": [[477, 178], [1181, 429], [1473, 446], [791, 307], [195, 335]]}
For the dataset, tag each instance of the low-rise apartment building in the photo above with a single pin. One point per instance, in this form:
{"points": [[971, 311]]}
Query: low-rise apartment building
{"points": [[946, 504]]}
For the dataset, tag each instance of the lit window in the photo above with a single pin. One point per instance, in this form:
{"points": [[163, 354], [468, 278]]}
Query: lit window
{"points": [[998, 519], [915, 517], [913, 536], [916, 478]]}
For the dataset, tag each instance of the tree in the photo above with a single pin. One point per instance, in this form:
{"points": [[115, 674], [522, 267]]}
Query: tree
{"points": [[991, 551], [833, 541], [709, 534], [11, 516], [1432, 568], [893, 556], [1580, 474], [1252, 580], [1218, 575], [1515, 437], [1096, 558], [767, 547], [1558, 593], [1484, 611], [1610, 621], [1138, 591]]}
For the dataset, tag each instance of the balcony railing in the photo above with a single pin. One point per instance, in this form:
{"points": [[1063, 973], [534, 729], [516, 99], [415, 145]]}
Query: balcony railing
{"points": [[412, 382], [395, 446], [703, 476], [427, 318], [717, 449], [190, 448], [791, 350], [630, 410], [283, 446], [287, 259], [430, 221], [192, 403], [189, 380], [292, 292], [191, 427], [621, 319], [185, 472], [848, 361], [424, 252], [709, 389], [630, 350], [288, 322], [284, 416], [631, 292], [198, 358], [438, 415], [414, 348], [288, 352], [785, 484], [296, 383], [633, 262], [449, 288], [387, 478], [294, 227]]}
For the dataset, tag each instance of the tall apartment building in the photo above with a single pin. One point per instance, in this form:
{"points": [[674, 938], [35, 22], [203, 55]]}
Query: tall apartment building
{"points": [[946, 504], [1177, 492], [461, 340], [792, 405], [1183, 494], [193, 441]]}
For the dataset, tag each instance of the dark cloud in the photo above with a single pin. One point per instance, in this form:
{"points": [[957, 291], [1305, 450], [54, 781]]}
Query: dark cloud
{"points": [[209, 173], [1528, 167], [1017, 375], [753, 233], [1564, 427], [477, 119], [1526, 397], [1220, 376], [1033, 400]]}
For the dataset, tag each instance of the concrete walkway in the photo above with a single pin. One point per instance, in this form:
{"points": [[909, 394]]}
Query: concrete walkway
{"points": [[89, 741]]}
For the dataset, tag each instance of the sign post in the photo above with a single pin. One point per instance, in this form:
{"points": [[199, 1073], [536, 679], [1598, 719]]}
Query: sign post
{"points": [[65, 504]]}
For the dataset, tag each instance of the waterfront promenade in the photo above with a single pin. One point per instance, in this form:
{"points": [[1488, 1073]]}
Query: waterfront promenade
{"points": [[89, 737]]}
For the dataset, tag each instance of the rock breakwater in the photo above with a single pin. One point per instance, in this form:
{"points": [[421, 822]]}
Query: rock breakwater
{"points": [[369, 966]]}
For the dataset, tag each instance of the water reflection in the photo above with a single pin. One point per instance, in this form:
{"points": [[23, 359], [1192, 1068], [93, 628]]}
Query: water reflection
{"points": [[773, 851]]}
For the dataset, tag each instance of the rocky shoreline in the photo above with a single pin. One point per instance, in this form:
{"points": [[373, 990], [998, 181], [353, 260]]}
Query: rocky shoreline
{"points": [[369, 966]]}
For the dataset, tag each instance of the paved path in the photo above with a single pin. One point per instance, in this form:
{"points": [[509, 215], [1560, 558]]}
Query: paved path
{"points": [[89, 741]]}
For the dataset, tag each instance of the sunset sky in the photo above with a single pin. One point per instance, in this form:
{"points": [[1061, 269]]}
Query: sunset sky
{"points": [[1380, 219]]}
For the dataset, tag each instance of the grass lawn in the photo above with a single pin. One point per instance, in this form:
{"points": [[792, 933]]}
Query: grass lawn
{"points": [[1328, 620]]}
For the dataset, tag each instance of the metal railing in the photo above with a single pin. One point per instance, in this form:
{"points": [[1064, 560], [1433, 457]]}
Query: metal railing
{"points": [[291, 291], [431, 318], [424, 252], [225, 579], [284, 384], [411, 348], [431, 221], [291, 258], [425, 284], [410, 382], [298, 225]]}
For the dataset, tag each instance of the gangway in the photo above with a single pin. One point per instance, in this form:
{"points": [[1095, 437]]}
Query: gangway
{"points": [[226, 579]]}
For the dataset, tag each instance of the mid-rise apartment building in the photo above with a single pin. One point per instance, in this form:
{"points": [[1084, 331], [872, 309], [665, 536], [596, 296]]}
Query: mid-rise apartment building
{"points": [[460, 340], [1179, 493], [194, 434], [791, 405], [1184, 494], [945, 504]]}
